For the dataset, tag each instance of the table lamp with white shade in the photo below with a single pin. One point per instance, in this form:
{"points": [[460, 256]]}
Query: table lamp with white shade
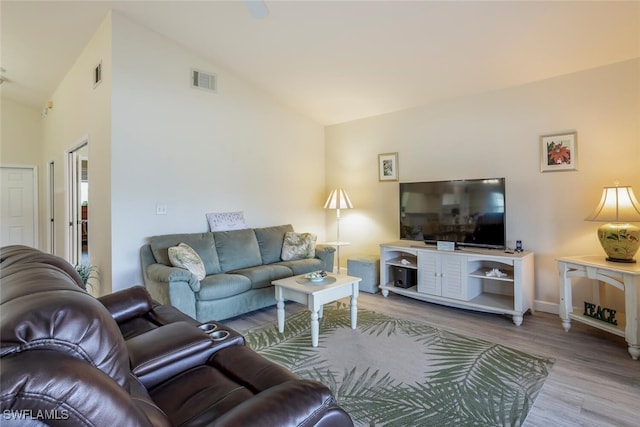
{"points": [[618, 207], [338, 199]]}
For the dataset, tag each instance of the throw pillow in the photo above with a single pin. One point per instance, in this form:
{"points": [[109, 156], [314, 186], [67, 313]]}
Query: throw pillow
{"points": [[298, 246], [184, 256], [225, 221]]}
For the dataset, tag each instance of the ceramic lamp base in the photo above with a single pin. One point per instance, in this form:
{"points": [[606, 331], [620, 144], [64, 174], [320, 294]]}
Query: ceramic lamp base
{"points": [[628, 261], [619, 241]]}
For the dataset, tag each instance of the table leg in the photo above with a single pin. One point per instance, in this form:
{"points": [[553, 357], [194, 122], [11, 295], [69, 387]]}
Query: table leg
{"points": [[517, 319], [280, 305], [315, 328], [354, 305], [321, 311], [566, 306], [632, 329]]}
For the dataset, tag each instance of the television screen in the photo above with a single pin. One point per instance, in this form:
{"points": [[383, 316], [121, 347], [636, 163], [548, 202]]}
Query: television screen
{"points": [[467, 212]]}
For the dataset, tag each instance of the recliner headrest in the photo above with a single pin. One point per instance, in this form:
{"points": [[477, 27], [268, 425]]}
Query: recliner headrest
{"points": [[41, 307]]}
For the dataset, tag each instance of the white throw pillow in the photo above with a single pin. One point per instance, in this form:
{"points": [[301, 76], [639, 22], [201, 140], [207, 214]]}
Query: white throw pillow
{"points": [[298, 246], [184, 256], [225, 221]]}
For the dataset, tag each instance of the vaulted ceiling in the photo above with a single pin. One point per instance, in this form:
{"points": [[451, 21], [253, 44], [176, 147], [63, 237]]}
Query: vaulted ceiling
{"points": [[337, 61]]}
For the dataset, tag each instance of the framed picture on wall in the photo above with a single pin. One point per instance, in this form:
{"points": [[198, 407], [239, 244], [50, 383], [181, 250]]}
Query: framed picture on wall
{"points": [[558, 152], [388, 167]]}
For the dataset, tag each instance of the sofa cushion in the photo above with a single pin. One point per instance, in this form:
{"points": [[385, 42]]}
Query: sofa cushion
{"points": [[202, 243], [237, 249], [220, 286], [303, 266], [270, 240], [298, 246], [262, 275], [184, 256]]}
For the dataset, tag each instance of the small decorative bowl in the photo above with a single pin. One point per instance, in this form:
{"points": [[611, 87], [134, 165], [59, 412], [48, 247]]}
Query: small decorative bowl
{"points": [[316, 276]]}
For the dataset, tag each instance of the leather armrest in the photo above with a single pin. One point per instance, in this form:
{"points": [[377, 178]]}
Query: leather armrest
{"points": [[163, 352], [297, 402], [78, 392], [128, 303], [164, 314]]}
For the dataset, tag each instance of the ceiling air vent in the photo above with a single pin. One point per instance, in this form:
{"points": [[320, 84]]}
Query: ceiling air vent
{"points": [[203, 80]]}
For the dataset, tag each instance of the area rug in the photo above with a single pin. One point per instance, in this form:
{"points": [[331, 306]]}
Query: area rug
{"points": [[397, 372]]}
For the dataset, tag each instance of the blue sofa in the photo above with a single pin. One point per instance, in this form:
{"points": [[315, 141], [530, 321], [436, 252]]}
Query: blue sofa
{"points": [[239, 265]]}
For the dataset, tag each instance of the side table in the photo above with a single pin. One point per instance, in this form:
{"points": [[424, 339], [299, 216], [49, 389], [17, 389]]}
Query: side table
{"points": [[625, 277], [337, 245]]}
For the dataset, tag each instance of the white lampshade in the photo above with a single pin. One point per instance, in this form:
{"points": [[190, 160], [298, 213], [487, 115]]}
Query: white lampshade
{"points": [[619, 239], [338, 199], [618, 204]]}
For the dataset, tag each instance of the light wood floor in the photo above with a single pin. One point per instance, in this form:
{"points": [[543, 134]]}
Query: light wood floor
{"points": [[594, 381]]}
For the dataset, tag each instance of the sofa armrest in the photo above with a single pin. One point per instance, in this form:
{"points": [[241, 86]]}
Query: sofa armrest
{"points": [[163, 352], [164, 273], [128, 303], [174, 286], [297, 402], [325, 254]]}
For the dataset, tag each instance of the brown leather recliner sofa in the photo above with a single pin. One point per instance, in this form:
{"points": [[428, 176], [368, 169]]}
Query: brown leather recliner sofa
{"points": [[67, 358]]}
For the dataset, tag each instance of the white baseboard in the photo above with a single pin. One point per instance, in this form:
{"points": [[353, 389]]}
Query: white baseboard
{"points": [[547, 307]]}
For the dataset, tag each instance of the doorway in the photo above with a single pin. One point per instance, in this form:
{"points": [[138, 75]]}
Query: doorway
{"points": [[78, 209], [51, 208], [19, 211]]}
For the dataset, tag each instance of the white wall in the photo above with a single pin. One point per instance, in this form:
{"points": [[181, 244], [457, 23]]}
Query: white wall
{"points": [[20, 145], [21, 133], [497, 135], [153, 139], [82, 112], [199, 152]]}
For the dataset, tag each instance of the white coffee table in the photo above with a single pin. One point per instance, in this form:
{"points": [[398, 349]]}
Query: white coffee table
{"points": [[315, 295]]}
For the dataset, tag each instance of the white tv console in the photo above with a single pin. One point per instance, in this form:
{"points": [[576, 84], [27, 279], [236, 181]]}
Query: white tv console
{"points": [[462, 278]]}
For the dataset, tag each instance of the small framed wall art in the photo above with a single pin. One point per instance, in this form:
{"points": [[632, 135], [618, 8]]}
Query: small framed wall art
{"points": [[388, 167], [558, 152]]}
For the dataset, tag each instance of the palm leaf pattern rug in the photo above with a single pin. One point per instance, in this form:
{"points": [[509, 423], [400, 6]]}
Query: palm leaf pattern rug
{"points": [[396, 372]]}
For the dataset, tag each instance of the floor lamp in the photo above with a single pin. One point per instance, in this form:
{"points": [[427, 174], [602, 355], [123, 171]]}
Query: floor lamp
{"points": [[338, 199]]}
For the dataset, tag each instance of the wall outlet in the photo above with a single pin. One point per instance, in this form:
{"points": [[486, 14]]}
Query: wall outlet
{"points": [[161, 209]]}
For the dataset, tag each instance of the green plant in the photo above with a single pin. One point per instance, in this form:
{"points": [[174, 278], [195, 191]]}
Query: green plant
{"points": [[87, 272]]}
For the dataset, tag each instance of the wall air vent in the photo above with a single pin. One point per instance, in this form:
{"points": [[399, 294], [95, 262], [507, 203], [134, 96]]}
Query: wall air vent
{"points": [[202, 80], [97, 75]]}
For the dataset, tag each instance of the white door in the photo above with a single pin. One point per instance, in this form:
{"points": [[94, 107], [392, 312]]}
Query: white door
{"points": [[18, 215], [75, 170]]}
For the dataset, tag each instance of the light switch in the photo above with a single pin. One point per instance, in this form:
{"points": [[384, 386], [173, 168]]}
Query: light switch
{"points": [[161, 209]]}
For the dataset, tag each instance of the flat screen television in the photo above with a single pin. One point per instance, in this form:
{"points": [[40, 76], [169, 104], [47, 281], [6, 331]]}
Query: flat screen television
{"points": [[466, 212]]}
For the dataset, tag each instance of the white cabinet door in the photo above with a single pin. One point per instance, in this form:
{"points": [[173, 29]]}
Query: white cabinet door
{"points": [[442, 274], [453, 269], [429, 273]]}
